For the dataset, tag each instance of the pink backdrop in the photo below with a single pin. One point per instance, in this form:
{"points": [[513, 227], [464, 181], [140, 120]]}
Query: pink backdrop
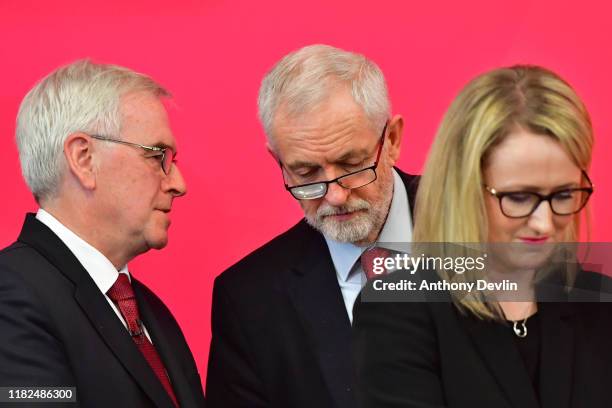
{"points": [[212, 56]]}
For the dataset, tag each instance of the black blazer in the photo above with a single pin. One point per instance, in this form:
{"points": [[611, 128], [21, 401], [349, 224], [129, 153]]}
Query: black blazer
{"points": [[428, 354], [57, 329], [281, 336]]}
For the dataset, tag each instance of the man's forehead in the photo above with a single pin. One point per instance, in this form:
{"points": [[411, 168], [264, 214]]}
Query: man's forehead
{"points": [[337, 106], [332, 129], [318, 132], [144, 116], [309, 145]]}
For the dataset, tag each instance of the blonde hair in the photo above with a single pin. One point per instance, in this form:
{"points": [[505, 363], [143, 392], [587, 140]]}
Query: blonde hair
{"points": [[450, 203], [79, 97]]}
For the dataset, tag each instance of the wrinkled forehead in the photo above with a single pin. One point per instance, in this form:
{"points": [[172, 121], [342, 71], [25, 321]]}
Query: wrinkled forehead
{"points": [[321, 143], [335, 127]]}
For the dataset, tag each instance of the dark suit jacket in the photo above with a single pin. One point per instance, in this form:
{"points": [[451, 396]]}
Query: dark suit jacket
{"points": [[428, 354], [281, 336], [57, 329]]}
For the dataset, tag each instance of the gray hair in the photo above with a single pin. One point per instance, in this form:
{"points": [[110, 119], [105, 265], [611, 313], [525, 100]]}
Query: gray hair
{"points": [[80, 97], [304, 78]]}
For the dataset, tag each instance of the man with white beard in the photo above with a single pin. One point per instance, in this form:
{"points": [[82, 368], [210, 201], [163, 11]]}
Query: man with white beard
{"points": [[281, 319]]}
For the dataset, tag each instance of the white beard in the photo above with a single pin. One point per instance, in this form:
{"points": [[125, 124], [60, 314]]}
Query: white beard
{"points": [[370, 217]]}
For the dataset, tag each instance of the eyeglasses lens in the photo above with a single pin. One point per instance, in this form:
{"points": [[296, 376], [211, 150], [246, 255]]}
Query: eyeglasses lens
{"points": [[168, 159], [309, 192], [358, 179]]}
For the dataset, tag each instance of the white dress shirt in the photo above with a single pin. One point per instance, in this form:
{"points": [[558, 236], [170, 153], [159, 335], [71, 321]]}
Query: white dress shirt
{"points": [[101, 270], [345, 256]]}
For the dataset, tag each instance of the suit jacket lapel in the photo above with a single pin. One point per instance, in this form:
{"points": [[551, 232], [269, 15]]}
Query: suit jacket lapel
{"points": [[317, 298], [95, 306], [166, 348], [557, 355], [496, 346], [412, 184]]}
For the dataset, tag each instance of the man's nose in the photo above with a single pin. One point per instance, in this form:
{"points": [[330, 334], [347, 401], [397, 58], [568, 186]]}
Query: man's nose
{"points": [[336, 194], [174, 182]]}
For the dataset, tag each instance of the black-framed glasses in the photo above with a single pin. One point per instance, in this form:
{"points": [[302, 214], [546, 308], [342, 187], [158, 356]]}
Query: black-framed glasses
{"points": [[520, 204], [166, 154], [355, 179]]}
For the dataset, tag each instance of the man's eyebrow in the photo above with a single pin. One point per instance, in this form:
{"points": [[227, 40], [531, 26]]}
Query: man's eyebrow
{"points": [[351, 154], [165, 146], [346, 156], [301, 164], [161, 145]]}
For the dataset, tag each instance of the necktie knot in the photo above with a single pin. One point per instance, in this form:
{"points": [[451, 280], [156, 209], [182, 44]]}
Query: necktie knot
{"points": [[372, 261], [121, 289], [122, 294]]}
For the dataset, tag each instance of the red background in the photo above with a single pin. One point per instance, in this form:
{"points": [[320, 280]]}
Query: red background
{"points": [[212, 56]]}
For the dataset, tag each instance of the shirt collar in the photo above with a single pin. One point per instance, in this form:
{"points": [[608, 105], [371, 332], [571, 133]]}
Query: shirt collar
{"points": [[398, 226], [397, 229], [344, 255], [99, 267]]}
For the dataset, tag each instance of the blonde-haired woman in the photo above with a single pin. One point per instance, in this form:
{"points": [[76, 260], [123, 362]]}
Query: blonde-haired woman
{"points": [[509, 167]]}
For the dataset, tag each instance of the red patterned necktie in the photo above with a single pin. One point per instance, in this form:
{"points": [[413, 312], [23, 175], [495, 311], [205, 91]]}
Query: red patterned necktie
{"points": [[123, 295], [367, 261]]}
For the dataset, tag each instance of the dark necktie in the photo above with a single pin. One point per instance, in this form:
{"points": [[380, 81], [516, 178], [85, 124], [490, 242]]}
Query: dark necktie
{"points": [[368, 258], [123, 295]]}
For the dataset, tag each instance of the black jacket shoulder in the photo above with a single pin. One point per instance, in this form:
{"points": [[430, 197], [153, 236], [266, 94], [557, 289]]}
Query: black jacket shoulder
{"points": [[277, 255]]}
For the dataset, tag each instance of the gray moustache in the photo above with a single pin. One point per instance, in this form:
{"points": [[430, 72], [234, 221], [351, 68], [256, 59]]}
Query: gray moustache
{"points": [[329, 210]]}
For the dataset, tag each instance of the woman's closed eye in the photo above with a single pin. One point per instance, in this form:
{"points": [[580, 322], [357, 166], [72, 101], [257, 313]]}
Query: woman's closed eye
{"points": [[520, 198], [565, 195]]}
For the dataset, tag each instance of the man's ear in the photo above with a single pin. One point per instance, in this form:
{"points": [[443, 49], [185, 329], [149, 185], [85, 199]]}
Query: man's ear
{"points": [[78, 150], [393, 142]]}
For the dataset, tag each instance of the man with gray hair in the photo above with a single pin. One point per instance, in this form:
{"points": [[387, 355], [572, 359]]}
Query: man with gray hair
{"points": [[281, 319], [97, 152]]}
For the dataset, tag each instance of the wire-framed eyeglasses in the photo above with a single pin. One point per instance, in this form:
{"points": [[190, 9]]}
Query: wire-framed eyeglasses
{"points": [[166, 154], [355, 179]]}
